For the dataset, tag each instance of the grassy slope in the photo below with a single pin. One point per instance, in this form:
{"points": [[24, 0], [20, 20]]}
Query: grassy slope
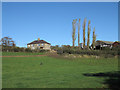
{"points": [[19, 53], [26, 72]]}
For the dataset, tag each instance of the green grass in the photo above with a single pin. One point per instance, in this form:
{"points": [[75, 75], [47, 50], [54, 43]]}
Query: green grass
{"points": [[26, 72], [19, 53]]}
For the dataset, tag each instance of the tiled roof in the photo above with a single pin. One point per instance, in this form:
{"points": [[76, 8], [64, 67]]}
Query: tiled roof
{"points": [[38, 42]]}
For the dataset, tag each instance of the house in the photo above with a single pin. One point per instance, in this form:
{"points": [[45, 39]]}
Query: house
{"points": [[102, 44], [116, 44], [39, 44]]}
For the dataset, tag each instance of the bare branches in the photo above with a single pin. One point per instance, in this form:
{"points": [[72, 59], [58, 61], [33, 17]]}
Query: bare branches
{"points": [[6, 41]]}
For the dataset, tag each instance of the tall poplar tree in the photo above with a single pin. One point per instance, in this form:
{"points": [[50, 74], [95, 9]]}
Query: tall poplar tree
{"points": [[94, 38], [88, 35], [84, 25], [73, 32], [79, 32]]}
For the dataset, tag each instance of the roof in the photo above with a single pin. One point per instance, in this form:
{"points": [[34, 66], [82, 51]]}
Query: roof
{"points": [[117, 42], [107, 42], [38, 42]]}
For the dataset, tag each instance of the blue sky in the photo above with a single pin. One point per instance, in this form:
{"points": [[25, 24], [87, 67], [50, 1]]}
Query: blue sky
{"points": [[52, 22]]}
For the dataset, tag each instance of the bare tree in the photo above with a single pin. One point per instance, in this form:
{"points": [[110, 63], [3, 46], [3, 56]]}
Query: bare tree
{"points": [[6, 41], [84, 25], [73, 32], [88, 34], [79, 32]]}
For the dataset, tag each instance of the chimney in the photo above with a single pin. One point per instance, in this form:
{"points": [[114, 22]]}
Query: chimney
{"points": [[38, 39]]}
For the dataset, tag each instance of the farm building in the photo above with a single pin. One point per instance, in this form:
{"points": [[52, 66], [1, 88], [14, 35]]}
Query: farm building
{"points": [[39, 44], [102, 44], [116, 44]]}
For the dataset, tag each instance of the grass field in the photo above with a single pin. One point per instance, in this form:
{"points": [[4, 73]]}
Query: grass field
{"points": [[19, 53], [26, 72]]}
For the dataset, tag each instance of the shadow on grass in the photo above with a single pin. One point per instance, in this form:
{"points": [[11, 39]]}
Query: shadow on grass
{"points": [[111, 79]]}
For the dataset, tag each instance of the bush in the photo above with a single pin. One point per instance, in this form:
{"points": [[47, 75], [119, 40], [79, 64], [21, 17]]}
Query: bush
{"points": [[42, 50], [55, 47], [16, 49], [28, 50], [12, 49], [7, 48], [60, 51], [103, 53]]}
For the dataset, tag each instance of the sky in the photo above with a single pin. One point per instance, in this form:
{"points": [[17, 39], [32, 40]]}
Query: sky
{"points": [[52, 21]]}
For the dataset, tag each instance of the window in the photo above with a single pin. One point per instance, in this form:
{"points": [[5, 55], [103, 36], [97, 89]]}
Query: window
{"points": [[28, 45], [42, 44], [33, 45]]}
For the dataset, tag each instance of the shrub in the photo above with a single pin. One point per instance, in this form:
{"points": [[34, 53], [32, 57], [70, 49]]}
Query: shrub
{"points": [[42, 50], [103, 53], [7, 48], [55, 47], [16, 49], [28, 50], [60, 51]]}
